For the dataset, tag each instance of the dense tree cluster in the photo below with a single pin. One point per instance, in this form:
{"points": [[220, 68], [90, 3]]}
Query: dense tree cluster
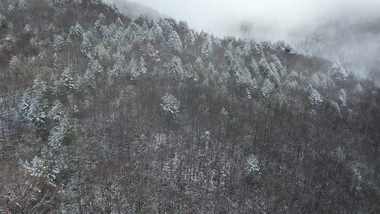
{"points": [[101, 113]]}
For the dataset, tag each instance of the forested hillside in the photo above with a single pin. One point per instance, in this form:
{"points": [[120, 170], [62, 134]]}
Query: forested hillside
{"points": [[102, 113]]}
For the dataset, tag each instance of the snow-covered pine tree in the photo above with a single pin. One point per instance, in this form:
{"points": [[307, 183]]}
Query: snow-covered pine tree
{"points": [[22, 5], [76, 31], [65, 84], [176, 69], [133, 69], [264, 66], [254, 67], [95, 67], [338, 73], [206, 47], [63, 132], [267, 87], [342, 97], [157, 32], [170, 105], [15, 63], [273, 73], [27, 28], [315, 97], [244, 79], [11, 5], [142, 66], [33, 104], [86, 45], [119, 68], [100, 22], [174, 42], [59, 42], [56, 112]]}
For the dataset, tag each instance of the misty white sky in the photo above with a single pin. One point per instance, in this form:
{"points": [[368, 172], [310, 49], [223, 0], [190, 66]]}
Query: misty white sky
{"points": [[271, 19]]}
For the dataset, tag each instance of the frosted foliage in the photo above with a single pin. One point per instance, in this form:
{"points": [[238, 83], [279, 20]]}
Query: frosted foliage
{"points": [[52, 3], [267, 88], [27, 28], [15, 63], [338, 73], [76, 31], [96, 2], [78, 2], [190, 38], [176, 69], [33, 104], [101, 21], [67, 79], [56, 111], [116, 35], [340, 153], [273, 73], [157, 31], [224, 113], [207, 47], [259, 48], [253, 164], [87, 42], [133, 69], [95, 66], [170, 104], [315, 80], [228, 56], [100, 51], [58, 42], [336, 108], [39, 166], [142, 66], [293, 75], [283, 46], [342, 97], [22, 5], [60, 132], [254, 66], [264, 66], [11, 5], [319, 81], [278, 65], [119, 67], [57, 61], [102, 18], [167, 29], [244, 78], [89, 79], [315, 98], [292, 84], [119, 22], [175, 41], [246, 49]]}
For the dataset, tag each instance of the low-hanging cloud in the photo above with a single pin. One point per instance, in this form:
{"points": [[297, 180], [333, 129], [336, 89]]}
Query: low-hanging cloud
{"points": [[270, 19], [348, 30]]}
